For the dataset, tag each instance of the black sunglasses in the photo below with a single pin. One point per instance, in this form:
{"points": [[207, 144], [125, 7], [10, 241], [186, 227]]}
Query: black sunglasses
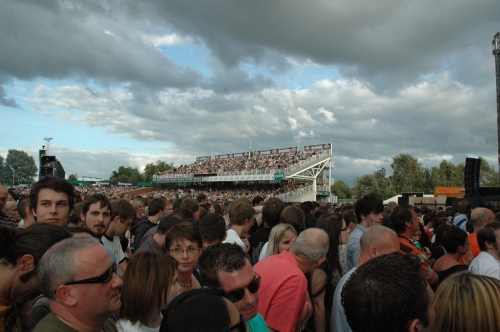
{"points": [[240, 326], [102, 279], [238, 294]]}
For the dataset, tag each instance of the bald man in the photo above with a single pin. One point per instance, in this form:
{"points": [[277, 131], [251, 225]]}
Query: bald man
{"points": [[4, 217], [376, 241], [479, 217]]}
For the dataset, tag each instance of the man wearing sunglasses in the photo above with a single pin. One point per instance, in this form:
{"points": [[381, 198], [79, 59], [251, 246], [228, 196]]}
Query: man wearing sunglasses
{"points": [[226, 266], [79, 278]]}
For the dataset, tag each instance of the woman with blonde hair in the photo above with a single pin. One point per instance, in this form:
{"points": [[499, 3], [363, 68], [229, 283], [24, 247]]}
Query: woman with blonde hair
{"points": [[281, 238], [147, 289], [467, 302]]}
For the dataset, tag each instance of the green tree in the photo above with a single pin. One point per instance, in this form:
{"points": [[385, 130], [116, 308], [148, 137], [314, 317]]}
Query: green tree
{"points": [[153, 168], [23, 165], [126, 174], [376, 183], [407, 174], [341, 190], [73, 177], [447, 174], [488, 175]]}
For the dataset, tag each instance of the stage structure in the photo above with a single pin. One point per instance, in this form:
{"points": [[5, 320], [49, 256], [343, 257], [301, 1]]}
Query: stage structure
{"points": [[49, 165], [496, 53]]}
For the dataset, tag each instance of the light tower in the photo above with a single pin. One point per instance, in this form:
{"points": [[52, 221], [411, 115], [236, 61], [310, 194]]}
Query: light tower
{"points": [[496, 52], [47, 146]]}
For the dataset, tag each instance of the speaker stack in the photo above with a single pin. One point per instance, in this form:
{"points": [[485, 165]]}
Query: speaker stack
{"points": [[471, 177]]}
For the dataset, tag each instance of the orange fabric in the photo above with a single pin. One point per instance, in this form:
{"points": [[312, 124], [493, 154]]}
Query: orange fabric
{"points": [[408, 248], [474, 248]]}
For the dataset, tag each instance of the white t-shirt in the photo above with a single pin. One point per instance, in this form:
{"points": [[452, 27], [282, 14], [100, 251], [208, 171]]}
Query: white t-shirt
{"points": [[338, 322], [485, 264], [124, 325], [263, 252], [233, 237], [116, 246]]}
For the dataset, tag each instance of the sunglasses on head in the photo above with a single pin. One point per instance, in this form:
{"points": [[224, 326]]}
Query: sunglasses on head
{"points": [[102, 279], [238, 294]]}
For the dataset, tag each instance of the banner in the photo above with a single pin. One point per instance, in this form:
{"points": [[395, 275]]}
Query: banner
{"points": [[207, 158], [309, 148], [255, 177]]}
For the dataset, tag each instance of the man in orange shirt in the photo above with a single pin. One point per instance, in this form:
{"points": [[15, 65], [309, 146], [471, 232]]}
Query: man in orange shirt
{"points": [[479, 217]]}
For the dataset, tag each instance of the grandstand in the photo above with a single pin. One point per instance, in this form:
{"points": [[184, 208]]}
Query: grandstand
{"points": [[265, 166]]}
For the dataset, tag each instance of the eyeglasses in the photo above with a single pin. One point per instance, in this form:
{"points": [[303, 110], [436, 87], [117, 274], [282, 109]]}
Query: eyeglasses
{"points": [[238, 294], [179, 251], [240, 326], [102, 279]]}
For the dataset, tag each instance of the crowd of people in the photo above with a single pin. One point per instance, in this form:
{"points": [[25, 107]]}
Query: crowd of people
{"points": [[187, 263], [268, 162]]}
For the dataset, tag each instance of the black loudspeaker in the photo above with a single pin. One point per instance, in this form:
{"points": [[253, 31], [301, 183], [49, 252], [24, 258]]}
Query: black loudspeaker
{"points": [[471, 177]]}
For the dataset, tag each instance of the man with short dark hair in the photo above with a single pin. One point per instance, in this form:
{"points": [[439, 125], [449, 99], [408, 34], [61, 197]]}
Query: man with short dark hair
{"points": [[390, 294], [52, 199], [406, 223], [226, 266], [487, 263], [241, 214], [283, 292], [202, 198], [368, 211], [96, 214], [78, 276], [156, 240], [156, 207], [23, 207], [212, 229]]}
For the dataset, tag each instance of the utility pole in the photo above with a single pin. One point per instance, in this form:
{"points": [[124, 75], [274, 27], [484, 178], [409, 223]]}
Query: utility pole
{"points": [[496, 52]]}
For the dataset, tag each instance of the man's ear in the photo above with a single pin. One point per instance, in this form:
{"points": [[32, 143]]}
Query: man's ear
{"points": [[65, 294], [82, 216], [373, 251], [26, 263], [225, 235], [320, 261], [117, 219], [415, 326]]}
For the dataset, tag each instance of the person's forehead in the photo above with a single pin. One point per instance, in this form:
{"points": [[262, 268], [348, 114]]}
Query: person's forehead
{"points": [[97, 207], [238, 278], [47, 194], [92, 261], [184, 242]]}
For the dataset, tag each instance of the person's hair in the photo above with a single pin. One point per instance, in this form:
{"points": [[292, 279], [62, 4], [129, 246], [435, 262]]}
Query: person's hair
{"points": [[206, 306], [332, 223], [34, 240], [309, 246], [189, 203], [466, 302], [278, 232], [168, 222], [146, 280], [217, 208], [58, 266], [124, 209], [346, 207], [487, 234], [385, 293], [155, 205], [78, 230], [295, 216], [183, 231], [201, 197], [185, 214], [256, 200], [212, 228], [59, 185], [366, 205], [399, 217], [177, 203], [137, 203], [452, 238], [77, 209], [227, 257], [349, 216], [22, 204], [431, 217], [240, 210], [271, 211], [463, 207], [96, 198]]}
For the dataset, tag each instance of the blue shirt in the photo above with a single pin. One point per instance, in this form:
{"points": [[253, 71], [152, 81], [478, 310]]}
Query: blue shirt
{"points": [[353, 247]]}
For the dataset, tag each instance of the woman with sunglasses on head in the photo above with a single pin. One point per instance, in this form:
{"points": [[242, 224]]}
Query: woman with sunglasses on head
{"points": [[323, 280], [147, 289], [183, 243]]}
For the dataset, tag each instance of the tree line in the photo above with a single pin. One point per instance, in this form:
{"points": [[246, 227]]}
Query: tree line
{"points": [[408, 175]]}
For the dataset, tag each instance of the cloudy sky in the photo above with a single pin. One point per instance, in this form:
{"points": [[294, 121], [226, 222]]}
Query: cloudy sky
{"points": [[130, 82]]}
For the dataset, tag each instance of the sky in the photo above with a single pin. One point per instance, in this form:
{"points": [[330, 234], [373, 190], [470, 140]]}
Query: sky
{"points": [[127, 82]]}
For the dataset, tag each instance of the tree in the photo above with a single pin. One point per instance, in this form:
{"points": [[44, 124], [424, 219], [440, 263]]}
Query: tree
{"points": [[24, 166], [447, 174], [375, 183], [126, 174], [488, 175], [341, 190], [153, 168], [407, 174], [73, 177]]}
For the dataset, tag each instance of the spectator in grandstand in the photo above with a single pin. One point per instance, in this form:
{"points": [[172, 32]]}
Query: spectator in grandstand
{"points": [[184, 244], [225, 266], [406, 223], [213, 312], [271, 211], [212, 229], [376, 241], [148, 280], [20, 253], [52, 200], [456, 244], [241, 214], [122, 215], [389, 293], [282, 309], [487, 263], [79, 300], [368, 212], [156, 207], [464, 303]]}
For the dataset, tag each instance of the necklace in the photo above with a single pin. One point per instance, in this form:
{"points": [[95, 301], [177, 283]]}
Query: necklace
{"points": [[185, 286]]}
